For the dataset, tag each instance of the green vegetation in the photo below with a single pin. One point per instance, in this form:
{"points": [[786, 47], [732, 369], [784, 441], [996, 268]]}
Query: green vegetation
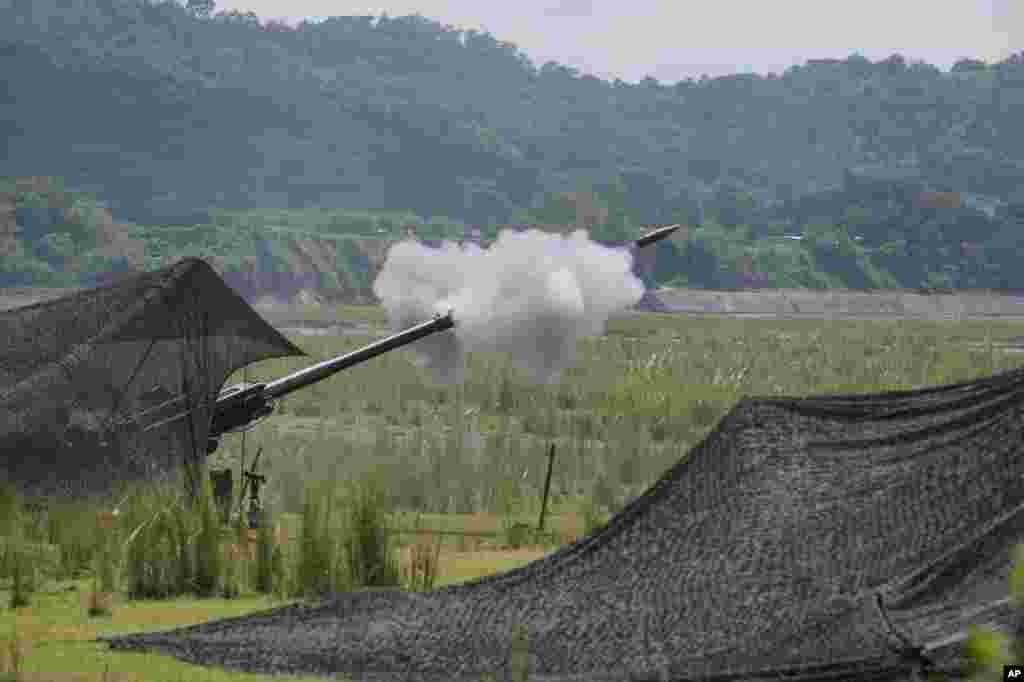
{"points": [[637, 400], [355, 125], [358, 489], [337, 252], [988, 650]]}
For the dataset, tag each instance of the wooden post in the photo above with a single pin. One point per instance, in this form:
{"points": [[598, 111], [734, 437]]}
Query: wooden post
{"points": [[547, 487], [102, 597]]}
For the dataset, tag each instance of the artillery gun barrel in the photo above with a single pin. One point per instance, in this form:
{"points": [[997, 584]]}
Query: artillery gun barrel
{"points": [[322, 370]]}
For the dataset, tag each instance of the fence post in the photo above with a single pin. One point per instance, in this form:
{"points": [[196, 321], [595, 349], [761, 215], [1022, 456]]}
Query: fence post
{"points": [[547, 487]]}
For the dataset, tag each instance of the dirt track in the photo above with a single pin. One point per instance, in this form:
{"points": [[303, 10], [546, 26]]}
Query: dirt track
{"points": [[843, 304], [774, 303]]}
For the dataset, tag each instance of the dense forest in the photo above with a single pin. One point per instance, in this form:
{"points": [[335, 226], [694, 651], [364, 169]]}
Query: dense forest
{"points": [[834, 173]]}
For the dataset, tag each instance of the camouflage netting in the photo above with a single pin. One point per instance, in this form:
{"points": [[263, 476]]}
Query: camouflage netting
{"points": [[837, 537], [84, 376]]}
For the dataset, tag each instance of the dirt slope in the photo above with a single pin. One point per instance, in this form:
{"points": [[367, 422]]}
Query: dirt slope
{"points": [[783, 303], [843, 304]]}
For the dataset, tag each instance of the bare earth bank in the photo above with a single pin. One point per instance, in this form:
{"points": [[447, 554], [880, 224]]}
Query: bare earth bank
{"points": [[781, 303]]}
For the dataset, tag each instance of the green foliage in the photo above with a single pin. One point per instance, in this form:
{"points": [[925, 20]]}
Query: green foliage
{"points": [[988, 650], [834, 253], [265, 573], [519, 655], [592, 516], [24, 270], [105, 573], [423, 569], [345, 541], [410, 115], [601, 210], [21, 555], [600, 437], [640, 393], [209, 561], [151, 548], [23, 574], [107, 561], [371, 560], [57, 246], [72, 531], [200, 8], [319, 572], [937, 280]]}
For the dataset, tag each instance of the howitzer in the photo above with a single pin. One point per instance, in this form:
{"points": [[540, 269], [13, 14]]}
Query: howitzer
{"points": [[239, 407]]}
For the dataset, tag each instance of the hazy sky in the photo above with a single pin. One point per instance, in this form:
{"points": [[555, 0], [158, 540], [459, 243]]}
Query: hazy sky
{"points": [[675, 39]]}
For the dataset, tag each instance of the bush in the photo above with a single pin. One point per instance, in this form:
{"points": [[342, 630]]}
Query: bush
{"points": [[592, 516], [371, 560], [153, 550], [987, 650], [23, 270], [23, 573], [265, 583], [319, 572], [517, 534], [423, 563], [209, 563]]}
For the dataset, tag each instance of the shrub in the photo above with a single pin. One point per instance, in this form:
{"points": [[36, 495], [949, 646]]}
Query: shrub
{"points": [[592, 517], [265, 582], [208, 554], [987, 650], [423, 563], [319, 572], [371, 560], [105, 575]]}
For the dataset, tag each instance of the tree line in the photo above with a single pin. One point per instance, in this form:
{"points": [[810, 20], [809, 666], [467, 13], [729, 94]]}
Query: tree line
{"points": [[822, 175]]}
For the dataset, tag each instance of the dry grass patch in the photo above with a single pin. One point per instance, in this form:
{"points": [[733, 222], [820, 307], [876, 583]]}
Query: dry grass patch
{"points": [[460, 567], [55, 640]]}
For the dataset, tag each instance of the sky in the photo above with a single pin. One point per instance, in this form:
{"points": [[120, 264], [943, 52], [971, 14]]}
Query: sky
{"points": [[676, 39]]}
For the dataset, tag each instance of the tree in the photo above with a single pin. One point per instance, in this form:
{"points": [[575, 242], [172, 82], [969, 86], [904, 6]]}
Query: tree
{"points": [[967, 65], [57, 247], [202, 9]]}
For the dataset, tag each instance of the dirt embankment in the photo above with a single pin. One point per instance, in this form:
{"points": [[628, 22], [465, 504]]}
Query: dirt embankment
{"points": [[779, 303], [316, 269], [844, 304]]}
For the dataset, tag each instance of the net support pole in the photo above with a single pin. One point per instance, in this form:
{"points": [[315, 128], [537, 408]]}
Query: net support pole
{"points": [[547, 488]]}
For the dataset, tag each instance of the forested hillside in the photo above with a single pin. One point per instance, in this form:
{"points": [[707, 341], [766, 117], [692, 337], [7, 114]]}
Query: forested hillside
{"points": [[880, 173]]}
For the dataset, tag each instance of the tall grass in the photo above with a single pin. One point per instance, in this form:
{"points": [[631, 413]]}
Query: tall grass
{"points": [[421, 574], [380, 439], [635, 402], [162, 537], [319, 569], [369, 546]]}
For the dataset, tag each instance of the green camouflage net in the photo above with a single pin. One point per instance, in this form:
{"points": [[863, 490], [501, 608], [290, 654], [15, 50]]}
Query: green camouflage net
{"points": [[835, 537], [85, 380]]}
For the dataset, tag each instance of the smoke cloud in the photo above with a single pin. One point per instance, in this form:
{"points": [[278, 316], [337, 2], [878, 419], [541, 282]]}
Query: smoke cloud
{"points": [[531, 295]]}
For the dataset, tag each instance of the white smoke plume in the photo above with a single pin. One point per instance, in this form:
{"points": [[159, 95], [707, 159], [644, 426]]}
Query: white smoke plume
{"points": [[531, 295]]}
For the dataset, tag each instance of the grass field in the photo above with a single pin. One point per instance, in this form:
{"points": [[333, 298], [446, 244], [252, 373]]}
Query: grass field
{"points": [[637, 399], [472, 458]]}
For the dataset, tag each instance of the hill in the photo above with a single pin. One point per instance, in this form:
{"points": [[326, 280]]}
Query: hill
{"points": [[888, 173]]}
